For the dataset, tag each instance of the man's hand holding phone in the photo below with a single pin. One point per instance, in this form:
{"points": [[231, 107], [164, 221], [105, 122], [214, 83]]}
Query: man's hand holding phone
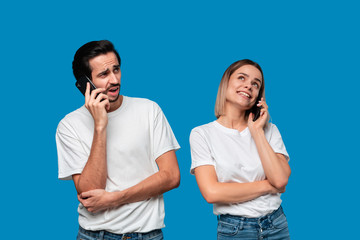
{"points": [[98, 104]]}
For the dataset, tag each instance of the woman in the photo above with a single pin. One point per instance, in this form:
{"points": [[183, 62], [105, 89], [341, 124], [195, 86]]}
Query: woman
{"points": [[241, 164]]}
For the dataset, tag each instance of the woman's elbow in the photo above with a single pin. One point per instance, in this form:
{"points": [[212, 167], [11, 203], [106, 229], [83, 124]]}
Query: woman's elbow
{"points": [[210, 196], [280, 183]]}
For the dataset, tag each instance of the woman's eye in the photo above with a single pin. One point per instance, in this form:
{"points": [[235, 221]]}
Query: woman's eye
{"points": [[255, 84], [241, 78]]}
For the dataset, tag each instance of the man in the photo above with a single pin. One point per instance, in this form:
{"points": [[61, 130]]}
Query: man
{"points": [[118, 150]]}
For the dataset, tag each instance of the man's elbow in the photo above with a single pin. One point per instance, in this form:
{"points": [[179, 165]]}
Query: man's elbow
{"points": [[175, 180], [85, 187], [171, 179]]}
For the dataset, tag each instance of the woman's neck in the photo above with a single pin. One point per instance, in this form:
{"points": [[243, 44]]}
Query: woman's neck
{"points": [[234, 119]]}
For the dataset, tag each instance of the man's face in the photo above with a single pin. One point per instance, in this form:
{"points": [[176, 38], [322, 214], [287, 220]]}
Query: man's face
{"points": [[106, 74]]}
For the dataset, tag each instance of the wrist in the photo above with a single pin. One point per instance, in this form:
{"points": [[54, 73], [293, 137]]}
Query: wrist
{"points": [[266, 187], [269, 189], [116, 199], [255, 132], [100, 129]]}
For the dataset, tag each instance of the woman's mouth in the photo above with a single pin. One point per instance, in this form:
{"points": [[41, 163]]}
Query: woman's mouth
{"points": [[244, 94]]}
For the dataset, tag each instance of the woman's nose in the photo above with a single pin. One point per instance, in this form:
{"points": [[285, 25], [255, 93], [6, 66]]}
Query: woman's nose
{"points": [[248, 85]]}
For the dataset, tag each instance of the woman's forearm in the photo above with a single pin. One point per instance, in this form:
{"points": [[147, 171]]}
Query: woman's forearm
{"points": [[276, 167], [219, 192]]}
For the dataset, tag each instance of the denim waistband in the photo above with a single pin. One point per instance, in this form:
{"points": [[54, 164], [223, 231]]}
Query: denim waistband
{"points": [[270, 216], [98, 234]]}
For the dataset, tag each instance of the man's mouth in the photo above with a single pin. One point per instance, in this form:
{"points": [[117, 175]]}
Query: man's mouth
{"points": [[113, 89]]}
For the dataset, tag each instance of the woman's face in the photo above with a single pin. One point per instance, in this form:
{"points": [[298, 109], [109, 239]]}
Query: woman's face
{"points": [[244, 86]]}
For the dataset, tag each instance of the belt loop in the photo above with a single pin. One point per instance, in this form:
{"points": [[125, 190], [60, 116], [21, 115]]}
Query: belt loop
{"points": [[101, 235], [241, 223]]}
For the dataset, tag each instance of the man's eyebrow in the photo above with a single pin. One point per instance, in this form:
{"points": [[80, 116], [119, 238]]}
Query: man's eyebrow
{"points": [[116, 66], [103, 72], [248, 76]]}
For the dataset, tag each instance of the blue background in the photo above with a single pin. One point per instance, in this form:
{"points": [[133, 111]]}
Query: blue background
{"points": [[175, 54]]}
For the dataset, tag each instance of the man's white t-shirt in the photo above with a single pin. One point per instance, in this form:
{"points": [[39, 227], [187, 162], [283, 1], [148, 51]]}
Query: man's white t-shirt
{"points": [[137, 134], [235, 158]]}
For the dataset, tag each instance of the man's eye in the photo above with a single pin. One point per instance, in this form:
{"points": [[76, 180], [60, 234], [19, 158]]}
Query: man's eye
{"points": [[116, 70]]}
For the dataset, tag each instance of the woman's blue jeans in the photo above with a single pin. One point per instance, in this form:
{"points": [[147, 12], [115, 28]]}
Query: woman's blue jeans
{"points": [[270, 227]]}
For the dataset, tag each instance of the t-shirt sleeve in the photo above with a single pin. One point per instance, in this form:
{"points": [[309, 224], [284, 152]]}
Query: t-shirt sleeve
{"points": [[200, 151], [71, 154], [277, 143], [163, 137]]}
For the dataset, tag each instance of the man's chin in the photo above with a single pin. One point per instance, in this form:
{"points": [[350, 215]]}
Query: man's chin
{"points": [[114, 100]]}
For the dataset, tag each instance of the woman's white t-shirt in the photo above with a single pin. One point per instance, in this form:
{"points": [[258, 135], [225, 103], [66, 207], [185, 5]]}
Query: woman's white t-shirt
{"points": [[236, 159]]}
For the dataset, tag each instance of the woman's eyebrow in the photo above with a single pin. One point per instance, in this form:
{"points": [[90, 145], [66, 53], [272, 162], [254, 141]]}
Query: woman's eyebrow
{"points": [[244, 74], [258, 80], [247, 75]]}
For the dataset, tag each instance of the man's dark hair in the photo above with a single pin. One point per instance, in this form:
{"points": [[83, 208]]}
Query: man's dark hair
{"points": [[88, 51]]}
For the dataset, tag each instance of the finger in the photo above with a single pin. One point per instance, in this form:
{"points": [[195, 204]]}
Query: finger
{"points": [[103, 101], [263, 111], [95, 92], [251, 117], [93, 96], [87, 92], [92, 210], [263, 103], [106, 103], [85, 195], [101, 97]]}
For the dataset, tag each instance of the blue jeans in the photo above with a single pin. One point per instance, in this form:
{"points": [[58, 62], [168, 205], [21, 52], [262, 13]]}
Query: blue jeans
{"points": [[270, 227], [104, 235]]}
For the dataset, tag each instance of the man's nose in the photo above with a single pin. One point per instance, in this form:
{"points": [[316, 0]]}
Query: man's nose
{"points": [[113, 79]]}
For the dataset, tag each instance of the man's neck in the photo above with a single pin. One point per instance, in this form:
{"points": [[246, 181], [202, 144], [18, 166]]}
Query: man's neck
{"points": [[115, 105]]}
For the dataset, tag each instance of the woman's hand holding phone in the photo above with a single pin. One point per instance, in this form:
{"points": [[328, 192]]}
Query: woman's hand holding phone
{"points": [[259, 123], [98, 104]]}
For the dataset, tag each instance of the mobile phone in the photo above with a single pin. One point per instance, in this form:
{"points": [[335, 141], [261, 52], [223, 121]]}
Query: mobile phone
{"points": [[256, 113], [81, 84], [256, 110]]}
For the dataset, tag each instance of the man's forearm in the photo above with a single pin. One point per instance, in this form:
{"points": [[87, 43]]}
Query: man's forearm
{"points": [[167, 178], [152, 186], [94, 174]]}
